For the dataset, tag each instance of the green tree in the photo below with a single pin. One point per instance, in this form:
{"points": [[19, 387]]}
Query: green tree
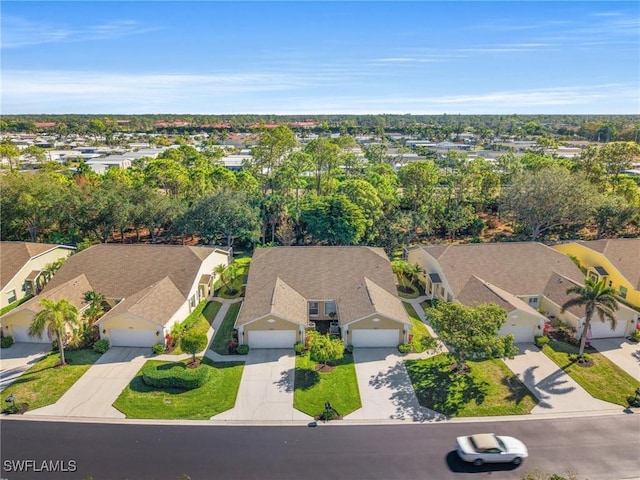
{"points": [[595, 297], [192, 342], [472, 332], [333, 219], [94, 311], [400, 268], [10, 153], [324, 349], [55, 317]]}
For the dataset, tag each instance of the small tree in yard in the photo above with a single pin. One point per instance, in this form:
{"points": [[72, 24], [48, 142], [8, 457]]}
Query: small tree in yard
{"points": [[472, 332], [324, 349], [192, 342]]}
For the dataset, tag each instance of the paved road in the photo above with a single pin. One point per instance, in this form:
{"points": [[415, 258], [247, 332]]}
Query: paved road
{"points": [[597, 448]]}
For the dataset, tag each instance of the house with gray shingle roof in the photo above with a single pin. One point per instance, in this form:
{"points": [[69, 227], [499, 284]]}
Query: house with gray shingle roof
{"points": [[22, 268], [528, 279], [348, 291], [148, 288]]}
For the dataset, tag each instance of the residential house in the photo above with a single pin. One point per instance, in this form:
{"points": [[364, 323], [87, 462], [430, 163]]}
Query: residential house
{"points": [[528, 279], [617, 261], [23, 268], [147, 288], [346, 291]]}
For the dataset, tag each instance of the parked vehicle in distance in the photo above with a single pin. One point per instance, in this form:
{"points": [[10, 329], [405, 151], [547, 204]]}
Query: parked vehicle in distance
{"points": [[490, 448]]}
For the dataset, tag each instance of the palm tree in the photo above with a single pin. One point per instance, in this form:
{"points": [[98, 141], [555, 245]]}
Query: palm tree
{"points": [[399, 268], [594, 297], [95, 309], [55, 317], [220, 270], [413, 272]]}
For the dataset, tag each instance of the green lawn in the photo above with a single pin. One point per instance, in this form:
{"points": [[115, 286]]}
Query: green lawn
{"points": [[418, 330], [313, 389], [223, 335], [138, 400], [619, 384], [43, 384], [236, 286], [202, 323], [489, 389]]}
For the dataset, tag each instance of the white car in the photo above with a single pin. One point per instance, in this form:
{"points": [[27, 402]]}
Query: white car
{"points": [[491, 448]]}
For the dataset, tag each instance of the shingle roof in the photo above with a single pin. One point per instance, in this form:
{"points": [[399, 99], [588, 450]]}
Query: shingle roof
{"points": [[118, 271], [343, 274], [14, 256], [556, 291], [521, 268], [623, 253]]}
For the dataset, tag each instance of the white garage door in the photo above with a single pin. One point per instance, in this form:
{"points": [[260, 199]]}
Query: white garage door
{"points": [[272, 338], [20, 335], [130, 337], [603, 330], [521, 333], [375, 338]]}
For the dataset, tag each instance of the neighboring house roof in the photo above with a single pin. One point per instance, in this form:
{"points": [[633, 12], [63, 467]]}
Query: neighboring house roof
{"points": [[72, 290], [623, 253], [282, 280], [118, 271], [521, 268], [15, 255]]}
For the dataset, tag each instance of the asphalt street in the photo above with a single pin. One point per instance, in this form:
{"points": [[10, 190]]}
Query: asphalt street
{"points": [[597, 448]]}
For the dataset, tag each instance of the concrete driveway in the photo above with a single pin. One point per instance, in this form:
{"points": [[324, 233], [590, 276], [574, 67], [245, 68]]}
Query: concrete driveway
{"points": [[386, 392], [266, 388], [19, 358], [93, 394], [556, 391], [621, 352]]}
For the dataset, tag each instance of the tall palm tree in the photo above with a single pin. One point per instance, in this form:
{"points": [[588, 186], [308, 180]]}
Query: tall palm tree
{"points": [[413, 272], [55, 317], [595, 297], [95, 310]]}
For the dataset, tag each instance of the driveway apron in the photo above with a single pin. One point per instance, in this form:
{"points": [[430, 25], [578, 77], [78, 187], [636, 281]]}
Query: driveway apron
{"points": [[19, 358], [622, 353], [556, 391], [266, 388], [386, 392], [93, 394]]}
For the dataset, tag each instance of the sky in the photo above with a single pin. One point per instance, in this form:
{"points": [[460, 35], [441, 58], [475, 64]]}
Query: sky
{"points": [[331, 57]]}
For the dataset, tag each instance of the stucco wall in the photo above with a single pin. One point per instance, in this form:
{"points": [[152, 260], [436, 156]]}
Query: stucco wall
{"points": [[126, 320], [429, 265], [37, 263], [278, 324], [367, 323]]}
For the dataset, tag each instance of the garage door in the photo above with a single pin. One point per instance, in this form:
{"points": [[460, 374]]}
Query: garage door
{"points": [[20, 335], [272, 338], [603, 330], [375, 338], [130, 337], [521, 333]]}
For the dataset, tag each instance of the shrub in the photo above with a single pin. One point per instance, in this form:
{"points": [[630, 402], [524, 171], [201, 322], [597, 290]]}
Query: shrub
{"points": [[541, 341], [192, 342], [232, 347], [636, 335], [348, 349], [174, 375], [158, 348], [404, 348], [6, 342], [574, 357], [101, 346], [299, 348], [242, 349], [633, 401]]}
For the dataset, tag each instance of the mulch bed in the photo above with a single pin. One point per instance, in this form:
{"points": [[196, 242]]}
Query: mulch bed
{"points": [[323, 368], [195, 364]]}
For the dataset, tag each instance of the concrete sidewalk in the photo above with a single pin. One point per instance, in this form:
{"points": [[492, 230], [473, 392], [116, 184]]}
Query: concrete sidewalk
{"points": [[556, 391], [266, 388], [621, 352], [386, 392], [94, 393], [19, 358]]}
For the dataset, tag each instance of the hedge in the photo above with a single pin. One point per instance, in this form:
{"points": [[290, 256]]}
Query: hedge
{"points": [[175, 375]]}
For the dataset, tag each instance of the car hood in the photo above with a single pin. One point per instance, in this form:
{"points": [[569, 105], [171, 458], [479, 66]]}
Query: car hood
{"points": [[515, 446], [465, 445]]}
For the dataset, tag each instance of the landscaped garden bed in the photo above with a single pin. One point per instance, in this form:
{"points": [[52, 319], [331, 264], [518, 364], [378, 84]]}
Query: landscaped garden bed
{"points": [[224, 335], [216, 395], [488, 388], [312, 389], [45, 382], [593, 377], [199, 320], [420, 338], [236, 274]]}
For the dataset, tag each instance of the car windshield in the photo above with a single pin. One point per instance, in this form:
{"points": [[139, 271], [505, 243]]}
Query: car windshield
{"points": [[503, 447]]}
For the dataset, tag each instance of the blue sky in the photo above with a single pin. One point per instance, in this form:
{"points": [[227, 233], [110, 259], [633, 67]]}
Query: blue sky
{"points": [[321, 57]]}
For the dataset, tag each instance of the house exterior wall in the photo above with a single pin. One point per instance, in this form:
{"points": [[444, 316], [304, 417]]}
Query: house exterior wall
{"points": [[590, 258], [552, 309], [520, 318], [127, 320], [430, 265], [217, 257], [264, 324], [35, 263], [21, 318], [367, 323], [321, 310]]}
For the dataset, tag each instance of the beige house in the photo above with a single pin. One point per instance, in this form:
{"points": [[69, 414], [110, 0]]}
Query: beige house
{"points": [[22, 268], [349, 292], [147, 289], [528, 279]]}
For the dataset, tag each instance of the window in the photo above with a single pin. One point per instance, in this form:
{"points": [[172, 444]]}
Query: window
{"points": [[313, 309], [11, 296], [533, 302], [610, 284], [192, 301], [329, 308], [623, 292]]}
